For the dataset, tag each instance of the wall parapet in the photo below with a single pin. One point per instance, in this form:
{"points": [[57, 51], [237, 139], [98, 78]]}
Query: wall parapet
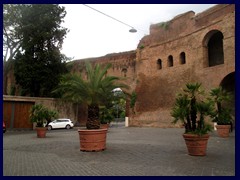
{"points": [[185, 24]]}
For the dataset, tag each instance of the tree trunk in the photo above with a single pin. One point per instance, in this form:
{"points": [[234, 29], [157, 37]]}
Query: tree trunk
{"points": [[193, 112], [93, 121]]}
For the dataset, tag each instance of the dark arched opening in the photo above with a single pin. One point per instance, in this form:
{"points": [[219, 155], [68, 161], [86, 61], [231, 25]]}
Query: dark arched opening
{"points": [[228, 83], [170, 61], [159, 63], [215, 49], [182, 59]]}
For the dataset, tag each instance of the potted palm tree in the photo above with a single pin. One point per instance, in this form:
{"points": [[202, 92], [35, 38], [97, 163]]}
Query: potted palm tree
{"points": [[41, 115], [222, 115], [94, 91], [191, 109]]}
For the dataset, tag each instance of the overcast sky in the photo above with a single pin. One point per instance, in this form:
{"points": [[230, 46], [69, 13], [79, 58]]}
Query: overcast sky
{"points": [[93, 34]]}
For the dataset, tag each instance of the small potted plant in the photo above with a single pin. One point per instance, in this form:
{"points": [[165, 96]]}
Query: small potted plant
{"points": [[41, 115], [106, 116], [222, 115], [191, 108]]}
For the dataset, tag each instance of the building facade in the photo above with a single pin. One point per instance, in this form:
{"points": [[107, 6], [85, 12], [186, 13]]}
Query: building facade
{"points": [[189, 48]]}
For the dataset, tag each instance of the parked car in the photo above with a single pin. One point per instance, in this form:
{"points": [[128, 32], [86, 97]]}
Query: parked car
{"points": [[60, 123], [4, 127]]}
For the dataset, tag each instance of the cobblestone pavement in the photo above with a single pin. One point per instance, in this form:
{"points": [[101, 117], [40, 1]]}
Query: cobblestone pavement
{"points": [[130, 151]]}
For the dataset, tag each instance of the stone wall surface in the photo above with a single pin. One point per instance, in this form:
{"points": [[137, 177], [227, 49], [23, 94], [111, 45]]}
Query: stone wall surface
{"points": [[186, 33]]}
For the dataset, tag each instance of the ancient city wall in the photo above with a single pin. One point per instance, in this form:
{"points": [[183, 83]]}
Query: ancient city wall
{"points": [[123, 65], [188, 33]]}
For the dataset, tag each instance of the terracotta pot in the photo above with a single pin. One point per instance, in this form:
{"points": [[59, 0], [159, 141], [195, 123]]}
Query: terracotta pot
{"points": [[92, 140], [196, 145], [104, 126], [223, 130], [41, 132]]}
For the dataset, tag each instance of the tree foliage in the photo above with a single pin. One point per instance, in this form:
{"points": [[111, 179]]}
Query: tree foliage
{"points": [[191, 108], [38, 62], [95, 91], [115, 108], [12, 40], [222, 113], [41, 114]]}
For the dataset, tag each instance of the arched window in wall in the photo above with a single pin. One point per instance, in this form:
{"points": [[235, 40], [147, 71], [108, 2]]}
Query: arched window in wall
{"points": [[213, 48], [182, 58], [159, 63], [170, 61], [124, 71]]}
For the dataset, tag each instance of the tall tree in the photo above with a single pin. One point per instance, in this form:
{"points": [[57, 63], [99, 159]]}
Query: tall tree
{"points": [[12, 14], [12, 40], [39, 63]]}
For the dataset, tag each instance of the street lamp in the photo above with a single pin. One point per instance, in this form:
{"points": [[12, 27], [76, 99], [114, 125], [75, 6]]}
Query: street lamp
{"points": [[132, 30]]}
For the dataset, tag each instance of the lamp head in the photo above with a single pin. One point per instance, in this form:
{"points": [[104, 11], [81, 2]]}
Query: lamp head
{"points": [[132, 30]]}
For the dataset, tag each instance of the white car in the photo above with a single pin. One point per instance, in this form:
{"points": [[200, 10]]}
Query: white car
{"points": [[60, 123]]}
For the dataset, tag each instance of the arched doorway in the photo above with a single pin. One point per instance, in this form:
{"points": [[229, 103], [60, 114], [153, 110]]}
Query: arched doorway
{"points": [[228, 83]]}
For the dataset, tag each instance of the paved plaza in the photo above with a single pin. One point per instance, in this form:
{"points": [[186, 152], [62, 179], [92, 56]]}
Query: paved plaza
{"points": [[131, 151]]}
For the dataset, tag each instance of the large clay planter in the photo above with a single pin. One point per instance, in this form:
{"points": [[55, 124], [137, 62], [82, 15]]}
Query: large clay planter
{"points": [[92, 140], [223, 130], [104, 126], [196, 145], [41, 132]]}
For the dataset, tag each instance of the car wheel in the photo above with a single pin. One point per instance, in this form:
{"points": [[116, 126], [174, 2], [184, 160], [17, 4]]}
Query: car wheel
{"points": [[68, 126], [49, 128]]}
